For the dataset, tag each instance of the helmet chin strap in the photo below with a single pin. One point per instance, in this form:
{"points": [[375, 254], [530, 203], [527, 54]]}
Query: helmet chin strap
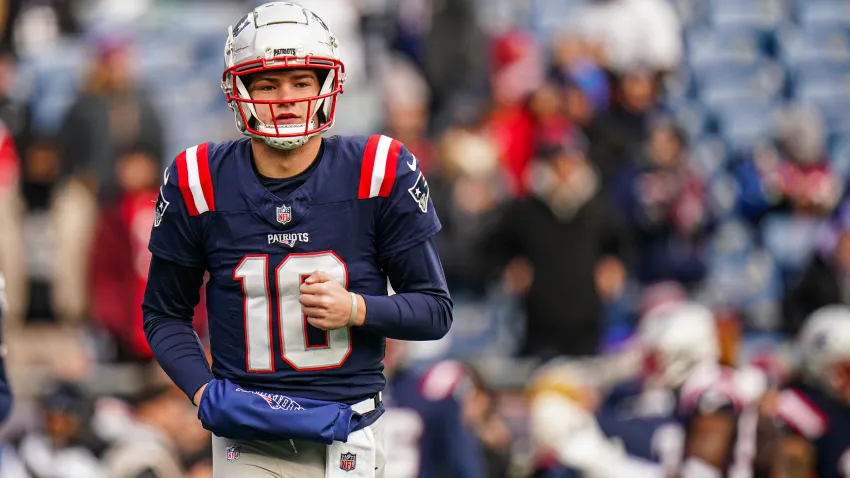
{"points": [[288, 142]]}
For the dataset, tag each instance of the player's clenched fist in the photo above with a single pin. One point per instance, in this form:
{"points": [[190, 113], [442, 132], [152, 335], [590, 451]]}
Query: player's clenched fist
{"points": [[328, 305]]}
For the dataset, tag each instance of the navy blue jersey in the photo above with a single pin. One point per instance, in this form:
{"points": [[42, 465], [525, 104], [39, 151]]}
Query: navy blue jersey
{"points": [[424, 423], [648, 422], [652, 423], [365, 201], [823, 421]]}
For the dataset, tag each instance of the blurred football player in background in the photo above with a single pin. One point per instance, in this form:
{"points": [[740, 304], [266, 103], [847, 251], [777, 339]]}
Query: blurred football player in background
{"points": [[424, 419], [814, 410], [686, 415]]}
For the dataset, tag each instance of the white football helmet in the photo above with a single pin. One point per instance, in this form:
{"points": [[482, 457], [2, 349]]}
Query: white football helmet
{"points": [[277, 36], [824, 345], [675, 339]]}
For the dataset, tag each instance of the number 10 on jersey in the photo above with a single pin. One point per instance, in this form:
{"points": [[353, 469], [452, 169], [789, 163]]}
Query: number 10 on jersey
{"points": [[253, 272]]}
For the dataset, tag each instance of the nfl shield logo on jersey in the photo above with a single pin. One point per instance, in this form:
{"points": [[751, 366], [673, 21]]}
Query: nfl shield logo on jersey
{"points": [[232, 453], [347, 461], [284, 214]]}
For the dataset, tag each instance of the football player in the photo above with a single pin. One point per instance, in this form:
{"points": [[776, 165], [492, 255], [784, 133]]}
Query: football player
{"points": [[424, 419], [299, 234], [687, 413], [568, 437], [814, 414]]}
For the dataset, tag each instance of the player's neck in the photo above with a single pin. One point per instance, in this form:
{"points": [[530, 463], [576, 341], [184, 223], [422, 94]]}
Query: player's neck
{"points": [[284, 163]]}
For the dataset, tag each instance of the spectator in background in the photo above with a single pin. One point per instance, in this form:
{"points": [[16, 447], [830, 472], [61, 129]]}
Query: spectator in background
{"points": [[65, 446], [549, 123], [480, 410], [615, 135], [164, 426], [583, 84], [120, 256], [794, 176], [46, 230], [14, 113], [666, 205], [633, 33], [30, 27], [516, 72], [468, 186], [562, 246], [406, 100], [826, 279], [109, 116], [454, 65]]}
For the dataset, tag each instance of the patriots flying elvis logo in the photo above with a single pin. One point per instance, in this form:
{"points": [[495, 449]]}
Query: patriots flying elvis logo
{"points": [[420, 192]]}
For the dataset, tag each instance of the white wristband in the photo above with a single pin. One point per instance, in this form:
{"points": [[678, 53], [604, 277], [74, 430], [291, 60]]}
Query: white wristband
{"points": [[353, 317]]}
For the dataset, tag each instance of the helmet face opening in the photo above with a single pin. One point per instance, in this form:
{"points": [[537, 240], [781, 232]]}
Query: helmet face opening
{"points": [[321, 108]]}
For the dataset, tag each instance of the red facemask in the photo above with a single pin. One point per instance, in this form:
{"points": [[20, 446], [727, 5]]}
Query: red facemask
{"points": [[239, 96]]}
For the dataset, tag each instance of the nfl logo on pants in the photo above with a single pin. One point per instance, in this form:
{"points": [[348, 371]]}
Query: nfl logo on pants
{"points": [[232, 453], [347, 461]]}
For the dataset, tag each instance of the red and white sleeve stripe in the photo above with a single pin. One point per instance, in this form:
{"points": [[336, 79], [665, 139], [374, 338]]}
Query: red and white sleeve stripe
{"points": [[193, 174], [378, 169], [799, 413]]}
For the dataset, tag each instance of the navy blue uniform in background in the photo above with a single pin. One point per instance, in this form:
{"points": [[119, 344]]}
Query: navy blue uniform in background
{"points": [[425, 426], [824, 422]]}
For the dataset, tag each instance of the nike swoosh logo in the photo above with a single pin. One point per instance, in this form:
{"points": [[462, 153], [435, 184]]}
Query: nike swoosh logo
{"points": [[412, 165], [165, 176]]}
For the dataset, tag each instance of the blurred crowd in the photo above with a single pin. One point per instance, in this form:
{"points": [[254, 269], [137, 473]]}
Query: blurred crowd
{"points": [[586, 160]]}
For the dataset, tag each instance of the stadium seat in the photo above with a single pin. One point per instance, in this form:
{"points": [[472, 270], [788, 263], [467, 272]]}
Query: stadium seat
{"points": [[740, 47], [823, 85], [799, 48], [691, 12], [723, 190], [789, 239], [693, 117], [549, 17], [828, 87], [839, 155], [743, 125], [723, 85], [813, 14], [750, 13]]}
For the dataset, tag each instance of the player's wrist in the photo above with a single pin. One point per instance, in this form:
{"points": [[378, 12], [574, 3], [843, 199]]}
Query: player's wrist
{"points": [[360, 317], [196, 398]]}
